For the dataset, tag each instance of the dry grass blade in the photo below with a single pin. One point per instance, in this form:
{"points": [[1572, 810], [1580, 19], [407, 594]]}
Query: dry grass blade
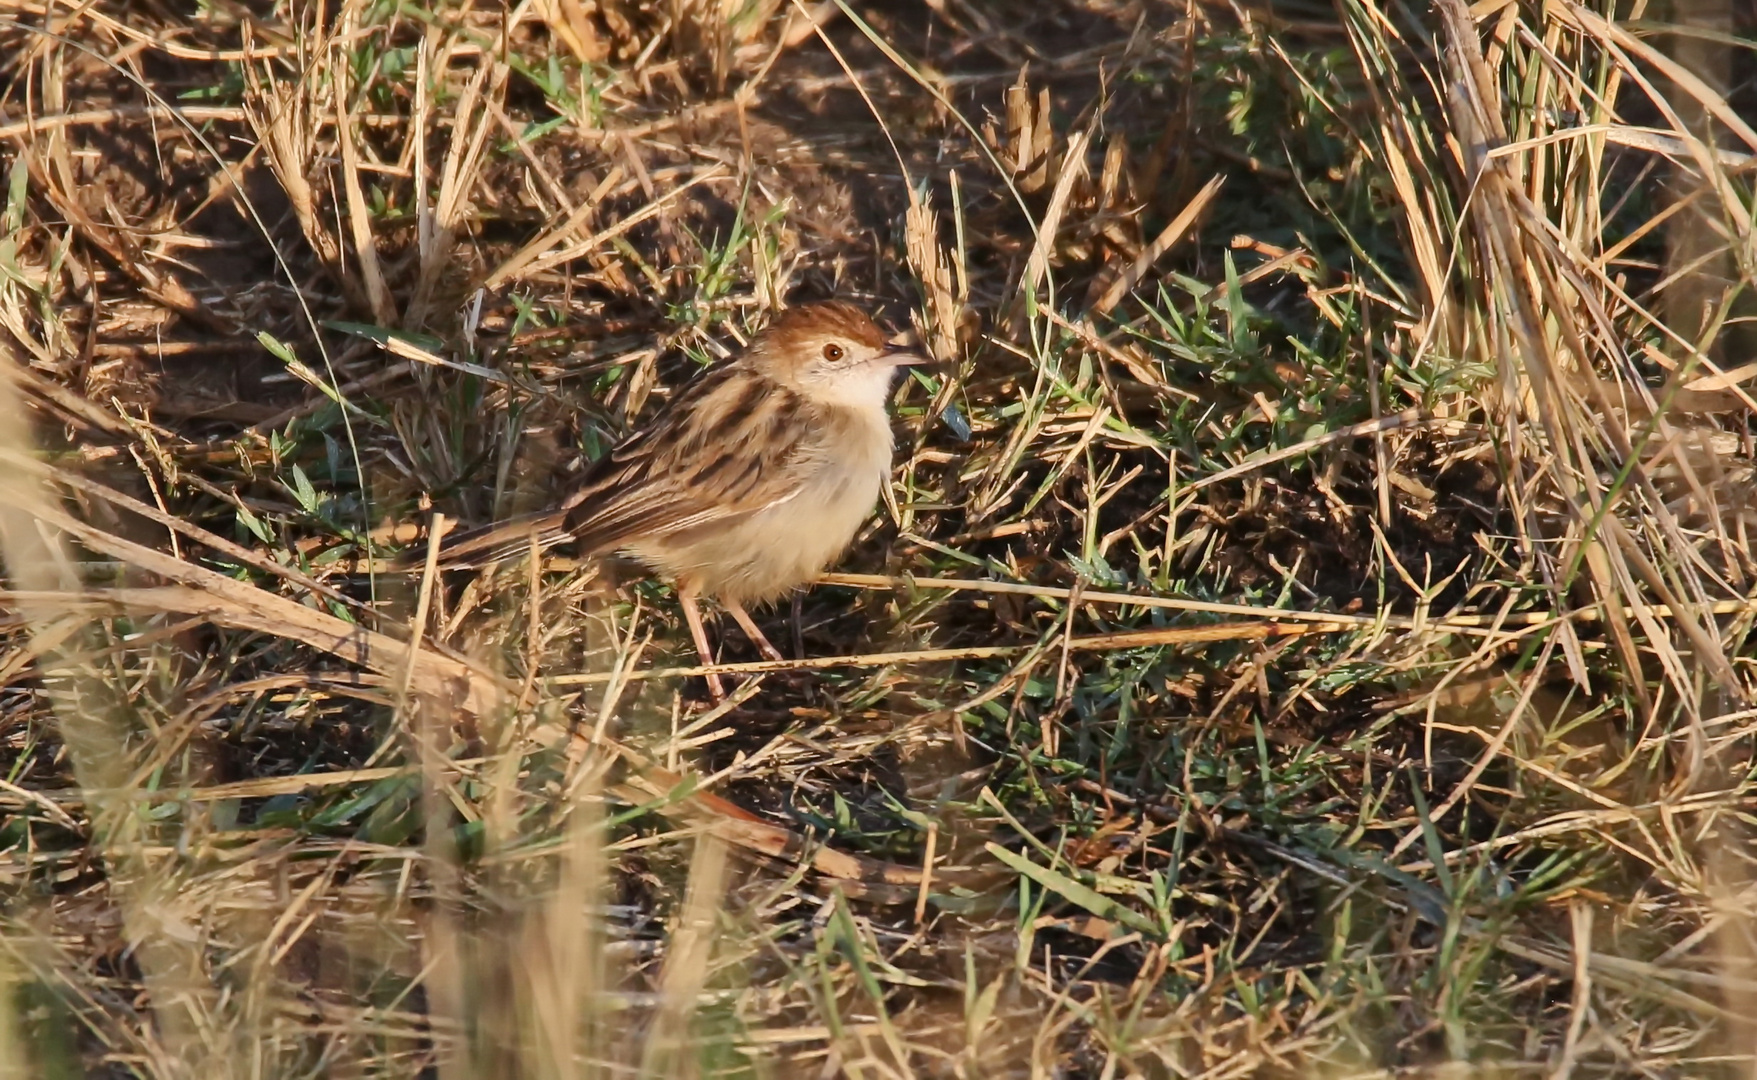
{"points": [[359, 220], [1176, 229], [93, 729], [75, 482], [685, 973], [437, 228], [230, 602], [1514, 256], [284, 115], [1072, 170], [537, 256], [34, 126], [946, 297], [66, 405]]}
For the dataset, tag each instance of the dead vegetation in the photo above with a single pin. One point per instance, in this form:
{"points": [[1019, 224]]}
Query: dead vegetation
{"points": [[1307, 633]]}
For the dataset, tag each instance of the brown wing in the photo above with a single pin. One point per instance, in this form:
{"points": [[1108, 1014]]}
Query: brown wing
{"points": [[718, 452]]}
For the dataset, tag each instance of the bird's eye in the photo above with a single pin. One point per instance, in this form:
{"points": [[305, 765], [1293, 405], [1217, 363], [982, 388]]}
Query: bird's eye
{"points": [[833, 352]]}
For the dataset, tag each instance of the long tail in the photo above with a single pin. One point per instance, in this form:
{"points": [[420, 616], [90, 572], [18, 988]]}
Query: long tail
{"points": [[492, 543]]}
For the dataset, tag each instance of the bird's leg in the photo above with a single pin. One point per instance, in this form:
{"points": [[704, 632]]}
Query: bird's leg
{"points": [[692, 614], [745, 623], [798, 624]]}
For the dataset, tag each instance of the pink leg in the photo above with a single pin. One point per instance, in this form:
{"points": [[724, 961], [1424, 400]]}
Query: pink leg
{"points": [[692, 614], [745, 623]]}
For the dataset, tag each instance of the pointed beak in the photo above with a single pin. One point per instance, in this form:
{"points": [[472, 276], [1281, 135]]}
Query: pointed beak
{"points": [[904, 356], [905, 350]]}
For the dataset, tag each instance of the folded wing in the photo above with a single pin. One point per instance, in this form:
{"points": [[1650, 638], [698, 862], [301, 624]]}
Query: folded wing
{"points": [[725, 449]]}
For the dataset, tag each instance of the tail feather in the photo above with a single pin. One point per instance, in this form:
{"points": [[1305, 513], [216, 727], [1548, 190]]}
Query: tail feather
{"points": [[491, 543]]}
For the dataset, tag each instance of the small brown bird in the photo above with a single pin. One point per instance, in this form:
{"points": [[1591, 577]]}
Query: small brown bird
{"points": [[750, 482]]}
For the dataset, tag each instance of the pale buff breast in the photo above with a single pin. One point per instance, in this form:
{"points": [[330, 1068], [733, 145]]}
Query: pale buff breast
{"points": [[763, 556]]}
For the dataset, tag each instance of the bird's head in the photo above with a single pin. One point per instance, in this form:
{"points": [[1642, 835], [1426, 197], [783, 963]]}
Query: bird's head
{"points": [[832, 353]]}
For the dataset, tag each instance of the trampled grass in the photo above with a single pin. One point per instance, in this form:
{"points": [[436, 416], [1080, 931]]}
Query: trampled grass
{"points": [[1306, 634]]}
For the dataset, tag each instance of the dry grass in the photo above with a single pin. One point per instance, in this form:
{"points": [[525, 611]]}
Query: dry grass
{"points": [[1306, 634]]}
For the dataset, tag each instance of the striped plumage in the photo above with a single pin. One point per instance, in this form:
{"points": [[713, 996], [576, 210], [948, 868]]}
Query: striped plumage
{"points": [[749, 482]]}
